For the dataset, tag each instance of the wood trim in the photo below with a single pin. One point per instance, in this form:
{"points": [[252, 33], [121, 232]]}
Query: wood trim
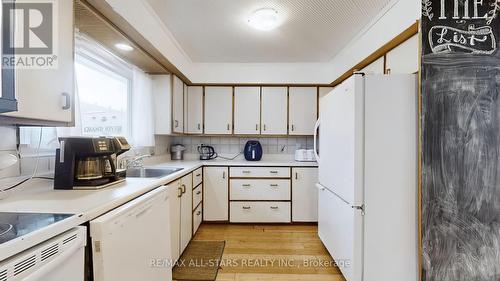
{"points": [[398, 40], [419, 165], [259, 85], [118, 23]]}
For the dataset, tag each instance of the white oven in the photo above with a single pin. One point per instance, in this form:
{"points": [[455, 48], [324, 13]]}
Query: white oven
{"points": [[61, 258]]}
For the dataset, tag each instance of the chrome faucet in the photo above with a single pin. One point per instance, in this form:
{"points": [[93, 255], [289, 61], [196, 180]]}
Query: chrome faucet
{"points": [[136, 162]]}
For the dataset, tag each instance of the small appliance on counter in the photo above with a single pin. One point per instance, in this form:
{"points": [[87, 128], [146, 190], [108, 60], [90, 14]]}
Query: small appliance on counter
{"points": [[207, 152], [177, 152], [253, 151], [89, 162], [305, 155]]}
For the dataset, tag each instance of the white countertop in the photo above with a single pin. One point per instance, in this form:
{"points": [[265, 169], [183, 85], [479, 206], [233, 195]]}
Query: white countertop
{"points": [[39, 196]]}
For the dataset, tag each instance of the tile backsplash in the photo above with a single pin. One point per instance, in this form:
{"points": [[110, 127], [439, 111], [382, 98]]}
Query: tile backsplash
{"points": [[234, 145]]}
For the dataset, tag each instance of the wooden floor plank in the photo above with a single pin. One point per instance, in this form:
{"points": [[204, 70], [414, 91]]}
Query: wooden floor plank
{"points": [[271, 252]]}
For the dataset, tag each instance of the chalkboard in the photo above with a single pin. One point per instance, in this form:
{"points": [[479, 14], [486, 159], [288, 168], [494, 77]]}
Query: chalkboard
{"points": [[460, 140]]}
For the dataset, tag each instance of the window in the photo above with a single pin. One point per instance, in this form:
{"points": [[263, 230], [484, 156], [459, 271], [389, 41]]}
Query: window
{"points": [[104, 90], [103, 99]]}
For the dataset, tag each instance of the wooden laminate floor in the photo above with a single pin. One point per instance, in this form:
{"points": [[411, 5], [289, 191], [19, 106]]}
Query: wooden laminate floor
{"points": [[271, 252]]}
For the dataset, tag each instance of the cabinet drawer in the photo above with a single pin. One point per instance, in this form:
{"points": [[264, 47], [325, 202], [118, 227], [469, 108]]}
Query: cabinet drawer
{"points": [[257, 212], [253, 189], [259, 172], [197, 177], [197, 218], [197, 195]]}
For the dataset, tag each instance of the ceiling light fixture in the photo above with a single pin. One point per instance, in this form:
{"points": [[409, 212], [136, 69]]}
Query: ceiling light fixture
{"points": [[264, 19], [124, 47]]}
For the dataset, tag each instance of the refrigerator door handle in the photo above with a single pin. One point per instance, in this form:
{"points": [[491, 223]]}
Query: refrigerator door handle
{"points": [[360, 208], [316, 127], [320, 187]]}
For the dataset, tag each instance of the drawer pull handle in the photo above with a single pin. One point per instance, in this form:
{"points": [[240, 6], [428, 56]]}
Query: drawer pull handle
{"points": [[246, 208], [198, 193], [273, 172], [246, 185], [179, 192], [245, 172], [274, 208], [197, 175], [199, 213], [274, 185]]}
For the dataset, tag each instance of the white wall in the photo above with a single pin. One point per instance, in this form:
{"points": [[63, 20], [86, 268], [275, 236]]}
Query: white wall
{"points": [[388, 25], [395, 20], [277, 73]]}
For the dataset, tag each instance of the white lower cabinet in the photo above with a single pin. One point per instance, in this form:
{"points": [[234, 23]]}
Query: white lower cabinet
{"points": [[260, 172], [175, 193], [215, 193], [197, 218], [304, 195], [197, 196], [181, 210], [259, 189], [186, 211], [260, 212]]}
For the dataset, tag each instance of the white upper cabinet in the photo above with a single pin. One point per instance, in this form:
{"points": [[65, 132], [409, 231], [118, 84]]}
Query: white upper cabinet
{"points": [[194, 110], [162, 97], [247, 110], [218, 110], [274, 110], [48, 94], [177, 105], [185, 108], [376, 67], [303, 104], [404, 58]]}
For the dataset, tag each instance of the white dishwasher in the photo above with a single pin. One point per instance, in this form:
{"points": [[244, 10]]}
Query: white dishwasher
{"points": [[132, 242]]}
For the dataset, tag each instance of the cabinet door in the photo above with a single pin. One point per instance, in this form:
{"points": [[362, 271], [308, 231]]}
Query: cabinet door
{"points": [[376, 67], [186, 211], [175, 218], [47, 94], [218, 110], [185, 108], [247, 110], [162, 96], [303, 107], [404, 58], [177, 105], [274, 110], [194, 110], [215, 193], [304, 195]]}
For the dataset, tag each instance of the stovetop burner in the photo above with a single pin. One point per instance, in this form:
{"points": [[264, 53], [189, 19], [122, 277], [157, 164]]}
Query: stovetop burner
{"points": [[5, 227], [14, 225]]}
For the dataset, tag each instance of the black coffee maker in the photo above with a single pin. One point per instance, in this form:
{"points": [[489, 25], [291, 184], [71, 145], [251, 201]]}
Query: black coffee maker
{"points": [[88, 162]]}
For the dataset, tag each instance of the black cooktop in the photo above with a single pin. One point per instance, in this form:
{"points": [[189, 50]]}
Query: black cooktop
{"points": [[14, 225]]}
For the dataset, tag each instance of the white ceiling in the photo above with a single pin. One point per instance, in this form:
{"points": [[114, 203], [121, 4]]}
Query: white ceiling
{"points": [[215, 31]]}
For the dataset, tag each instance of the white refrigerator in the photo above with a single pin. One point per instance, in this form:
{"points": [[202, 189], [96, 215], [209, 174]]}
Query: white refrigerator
{"points": [[367, 159]]}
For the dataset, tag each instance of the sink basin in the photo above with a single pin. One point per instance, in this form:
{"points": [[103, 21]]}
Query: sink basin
{"points": [[150, 172]]}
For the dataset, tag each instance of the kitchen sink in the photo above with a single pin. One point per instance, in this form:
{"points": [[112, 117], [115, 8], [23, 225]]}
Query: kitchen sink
{"points": [[150, 172]]}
